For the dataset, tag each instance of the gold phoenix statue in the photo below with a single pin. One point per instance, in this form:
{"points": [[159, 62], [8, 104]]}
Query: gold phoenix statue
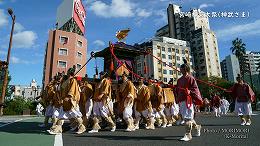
{"points": [[122, 34]]}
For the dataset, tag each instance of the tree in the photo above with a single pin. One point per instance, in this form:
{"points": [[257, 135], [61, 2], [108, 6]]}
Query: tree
{"points": [[206, 90], [8, 91], [17, 105], [239, 49]]}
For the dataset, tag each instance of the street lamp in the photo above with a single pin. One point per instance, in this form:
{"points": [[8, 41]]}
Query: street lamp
{"points": [[10, 11]]}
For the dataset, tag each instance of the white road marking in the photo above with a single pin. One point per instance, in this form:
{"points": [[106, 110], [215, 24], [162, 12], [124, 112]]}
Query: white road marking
{"points": [[58, 140]]}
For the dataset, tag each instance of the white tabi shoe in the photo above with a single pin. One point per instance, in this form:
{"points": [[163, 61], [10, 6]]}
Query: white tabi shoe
{"points": [[186, 137], [93, 131], [243, 123], [248, 123], [128, 130], [52, 132], [113, 129], [169, 125], [164, 125]]}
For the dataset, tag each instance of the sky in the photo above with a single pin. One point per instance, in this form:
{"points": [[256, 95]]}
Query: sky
{"points": [[34, 18]]}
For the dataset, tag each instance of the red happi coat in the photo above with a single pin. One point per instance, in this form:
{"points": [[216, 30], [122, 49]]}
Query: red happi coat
{"points": [[215, 102], [242, 92], [185, 83]]}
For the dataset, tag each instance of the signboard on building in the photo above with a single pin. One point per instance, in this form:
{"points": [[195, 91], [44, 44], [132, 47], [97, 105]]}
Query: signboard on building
{"points": [[69, 9], [79, 14]]}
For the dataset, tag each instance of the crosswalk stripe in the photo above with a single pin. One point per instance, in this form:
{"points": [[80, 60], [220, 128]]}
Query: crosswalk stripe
{"points": [[58, 140]]}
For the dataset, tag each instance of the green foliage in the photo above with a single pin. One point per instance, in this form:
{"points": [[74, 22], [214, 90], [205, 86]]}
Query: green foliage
{"points": [[239, 49], [16, 106], [7, 92], [207, 90]]}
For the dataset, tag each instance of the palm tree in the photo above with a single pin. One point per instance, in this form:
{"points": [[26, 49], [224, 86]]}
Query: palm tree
{"points": [[239, 49]]}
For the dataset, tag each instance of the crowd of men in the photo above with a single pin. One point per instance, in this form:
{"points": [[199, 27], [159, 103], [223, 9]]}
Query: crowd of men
{"points": [[87, 104]]}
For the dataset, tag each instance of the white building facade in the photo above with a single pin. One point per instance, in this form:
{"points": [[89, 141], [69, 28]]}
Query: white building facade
{"points": [[27, 92], [193, 26], [170, 51]]}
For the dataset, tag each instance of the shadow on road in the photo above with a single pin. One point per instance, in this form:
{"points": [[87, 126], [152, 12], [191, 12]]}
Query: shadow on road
{"points": [[23, 127], [136, 138]]}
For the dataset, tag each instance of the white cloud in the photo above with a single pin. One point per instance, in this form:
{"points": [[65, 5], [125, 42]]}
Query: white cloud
{"points": [[16, 60], [18, 27], [205, 6], [143, 13], [99, 43], [117, 8], [249, 29], [3, 18], [24, 39]]}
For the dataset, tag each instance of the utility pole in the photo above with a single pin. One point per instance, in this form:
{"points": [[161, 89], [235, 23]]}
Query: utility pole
{"points": [[10, 11]]}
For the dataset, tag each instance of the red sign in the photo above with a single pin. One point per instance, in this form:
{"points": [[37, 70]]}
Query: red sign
{"points": [[79, 15]]}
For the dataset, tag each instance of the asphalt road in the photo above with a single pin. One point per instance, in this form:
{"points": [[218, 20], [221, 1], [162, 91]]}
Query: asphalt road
{"points": [[223, 131]]}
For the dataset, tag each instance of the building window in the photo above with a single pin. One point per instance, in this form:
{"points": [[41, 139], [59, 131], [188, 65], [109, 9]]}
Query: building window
{"points": [[169, 50], [164, 63], [163, 49], [183, 51], [171, 72], [62, 64], [178, 58], [78, 66], [177, 50], [139, 72], [170, 64], [63, 51], [170, 56], [79, 44], [164, 71], [64, 40], [79, 55], [163, 56], [164, 79]]}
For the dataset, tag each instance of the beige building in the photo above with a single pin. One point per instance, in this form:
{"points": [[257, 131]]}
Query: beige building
{"points": [[63, 50], [193, 26], [170, 51]]}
